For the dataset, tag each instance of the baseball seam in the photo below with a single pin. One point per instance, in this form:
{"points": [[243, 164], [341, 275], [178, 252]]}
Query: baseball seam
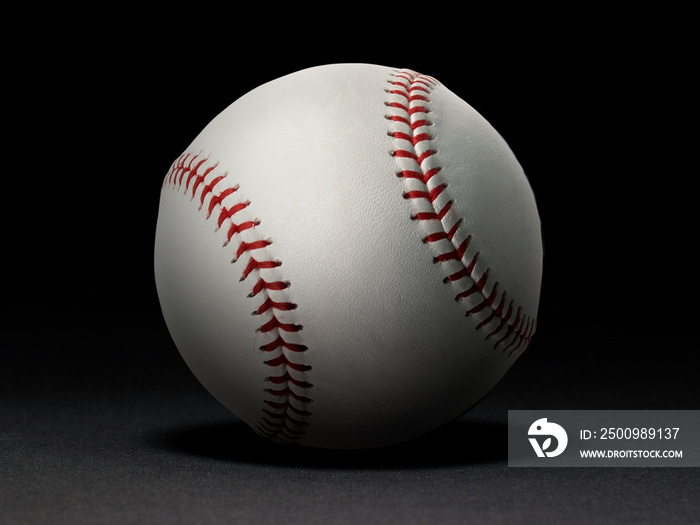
{"points": [[285, 410], [426, 186]]}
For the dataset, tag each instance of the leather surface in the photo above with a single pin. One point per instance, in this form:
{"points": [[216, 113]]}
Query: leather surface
{"points": [[391, 353]]}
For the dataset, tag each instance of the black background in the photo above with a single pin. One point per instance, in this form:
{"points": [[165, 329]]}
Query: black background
{"points": [[596, 107]]}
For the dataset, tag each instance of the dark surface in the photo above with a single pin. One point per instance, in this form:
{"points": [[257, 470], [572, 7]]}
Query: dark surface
{"points": [[100, 421], [182, 460]]}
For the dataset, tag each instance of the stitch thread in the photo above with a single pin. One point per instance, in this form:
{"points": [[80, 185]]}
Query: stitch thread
{"points": [[416, 155], [285, 411]]}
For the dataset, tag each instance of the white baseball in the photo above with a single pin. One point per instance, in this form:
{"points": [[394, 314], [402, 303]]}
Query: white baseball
{"points": [[348, 256]]}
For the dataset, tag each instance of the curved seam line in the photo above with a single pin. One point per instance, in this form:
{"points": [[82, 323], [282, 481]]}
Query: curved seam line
{"points": [[415, 148], [281, 420]]}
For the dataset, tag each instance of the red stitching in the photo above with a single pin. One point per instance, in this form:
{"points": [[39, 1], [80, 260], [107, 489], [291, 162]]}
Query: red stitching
{"points": [[284, 415], [416, 153]]}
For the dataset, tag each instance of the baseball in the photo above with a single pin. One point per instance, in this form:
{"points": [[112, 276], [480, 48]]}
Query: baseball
{"points": [[348, 256]]}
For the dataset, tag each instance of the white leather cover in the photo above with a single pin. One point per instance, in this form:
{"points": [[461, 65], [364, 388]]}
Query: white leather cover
{"points": [[383, 234]]}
